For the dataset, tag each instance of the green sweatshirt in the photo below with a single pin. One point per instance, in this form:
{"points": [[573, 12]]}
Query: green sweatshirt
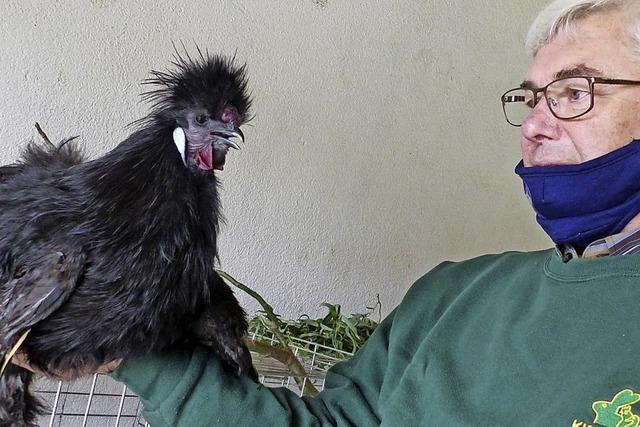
{"points": [[518, 339]]}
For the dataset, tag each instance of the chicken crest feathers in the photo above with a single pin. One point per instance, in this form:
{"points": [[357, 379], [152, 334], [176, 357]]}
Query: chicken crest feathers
{"points": [[195, 80]]}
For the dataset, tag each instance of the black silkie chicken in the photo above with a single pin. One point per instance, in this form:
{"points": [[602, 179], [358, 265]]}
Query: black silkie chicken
{"points": [[114, 257]]}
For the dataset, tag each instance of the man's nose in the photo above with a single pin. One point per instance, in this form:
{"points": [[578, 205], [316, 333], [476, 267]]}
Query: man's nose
{"points": [[540, 122]]}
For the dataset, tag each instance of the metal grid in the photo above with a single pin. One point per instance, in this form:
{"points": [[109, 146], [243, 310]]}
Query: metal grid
{"points": [[100, 401], [315, 358], [95, 401]]}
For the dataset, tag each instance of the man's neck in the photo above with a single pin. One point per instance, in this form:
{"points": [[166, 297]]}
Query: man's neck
{"points": [[633, 224]]}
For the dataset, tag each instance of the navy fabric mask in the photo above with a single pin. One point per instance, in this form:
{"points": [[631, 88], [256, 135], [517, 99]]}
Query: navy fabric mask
{"points": [[577, 204]]}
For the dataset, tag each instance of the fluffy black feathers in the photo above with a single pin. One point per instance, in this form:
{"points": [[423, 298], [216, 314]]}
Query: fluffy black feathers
{"points": [[113, 257], [195, 81]]}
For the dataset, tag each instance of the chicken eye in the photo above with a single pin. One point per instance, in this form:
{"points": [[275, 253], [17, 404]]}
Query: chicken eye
{"points": [[201, 119]]}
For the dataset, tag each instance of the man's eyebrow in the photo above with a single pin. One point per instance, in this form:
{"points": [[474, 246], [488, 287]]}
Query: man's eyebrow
{"points": [[580, 70]]}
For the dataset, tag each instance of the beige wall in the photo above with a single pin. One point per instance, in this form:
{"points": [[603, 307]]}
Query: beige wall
{"points": [[378, 148]]}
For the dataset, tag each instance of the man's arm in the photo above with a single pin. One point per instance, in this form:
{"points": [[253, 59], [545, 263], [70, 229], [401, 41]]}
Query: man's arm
{"points": [[191, 389]]}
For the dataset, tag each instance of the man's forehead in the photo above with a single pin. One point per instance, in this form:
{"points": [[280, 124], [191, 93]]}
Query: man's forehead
{"points": [[578, 70], [598, 45]]}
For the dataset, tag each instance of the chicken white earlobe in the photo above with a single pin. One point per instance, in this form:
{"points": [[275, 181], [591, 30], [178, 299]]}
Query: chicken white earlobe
{"points": [[180, 140]]}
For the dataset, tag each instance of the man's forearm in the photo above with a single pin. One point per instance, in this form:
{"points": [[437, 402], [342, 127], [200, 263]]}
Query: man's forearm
{"points": [[191, 389]]}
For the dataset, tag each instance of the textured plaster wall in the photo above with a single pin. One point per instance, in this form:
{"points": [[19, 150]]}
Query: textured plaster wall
{"points": [[378, 147]]}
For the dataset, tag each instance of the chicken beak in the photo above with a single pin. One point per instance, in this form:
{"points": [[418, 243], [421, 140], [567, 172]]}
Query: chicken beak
{"points": [[227, 131]]}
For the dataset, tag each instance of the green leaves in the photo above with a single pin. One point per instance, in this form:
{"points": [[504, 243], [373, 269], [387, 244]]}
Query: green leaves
{"points": [[333, 330]]}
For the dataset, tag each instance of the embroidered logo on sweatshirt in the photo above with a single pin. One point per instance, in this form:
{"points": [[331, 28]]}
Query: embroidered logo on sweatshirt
{"points": [[615, 413]]}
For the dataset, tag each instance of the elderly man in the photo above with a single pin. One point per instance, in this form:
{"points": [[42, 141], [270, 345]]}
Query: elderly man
{"points": [[543, 338]]}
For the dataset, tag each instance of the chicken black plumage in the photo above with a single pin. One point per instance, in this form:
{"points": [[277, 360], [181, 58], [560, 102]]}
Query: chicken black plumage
{"points": [[114, 257]]}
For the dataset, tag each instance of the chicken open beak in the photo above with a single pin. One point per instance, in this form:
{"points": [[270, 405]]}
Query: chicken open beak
{"points": [[223, 133]]}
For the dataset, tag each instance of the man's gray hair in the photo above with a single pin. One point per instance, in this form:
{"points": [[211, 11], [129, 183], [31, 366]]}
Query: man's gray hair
{"points": [[560, 16]]}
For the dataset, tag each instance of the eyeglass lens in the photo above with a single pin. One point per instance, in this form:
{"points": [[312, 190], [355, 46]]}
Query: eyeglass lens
{"points": [[567, 98]]}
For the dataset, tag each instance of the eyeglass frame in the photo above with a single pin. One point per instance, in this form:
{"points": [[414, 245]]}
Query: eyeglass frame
{"points": [[592, 80]]}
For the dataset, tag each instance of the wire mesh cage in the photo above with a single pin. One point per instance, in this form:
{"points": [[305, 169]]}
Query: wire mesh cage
{"points": [[315, 358], [99, 401], [93, 401]]}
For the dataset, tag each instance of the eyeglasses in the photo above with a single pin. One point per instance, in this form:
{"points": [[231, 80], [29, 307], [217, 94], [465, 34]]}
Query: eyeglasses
{"points": [[567, 98]]}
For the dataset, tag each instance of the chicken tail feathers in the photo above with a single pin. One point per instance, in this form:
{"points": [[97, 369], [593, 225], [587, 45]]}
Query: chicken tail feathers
{"points": [[64, 155], [8, 171], [18, 406]]}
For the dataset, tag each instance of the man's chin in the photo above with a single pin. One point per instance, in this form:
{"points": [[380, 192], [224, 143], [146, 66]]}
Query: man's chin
{"points": [[549, 163], [544, 161]]}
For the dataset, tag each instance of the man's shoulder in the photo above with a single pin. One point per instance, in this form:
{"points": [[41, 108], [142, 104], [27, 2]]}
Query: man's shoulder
{"points": [[503, 261], [463, 284], [451, 277]]}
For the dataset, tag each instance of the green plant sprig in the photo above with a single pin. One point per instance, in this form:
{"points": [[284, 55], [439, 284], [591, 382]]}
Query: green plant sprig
{"points": [[288, 358], [333, 330]]}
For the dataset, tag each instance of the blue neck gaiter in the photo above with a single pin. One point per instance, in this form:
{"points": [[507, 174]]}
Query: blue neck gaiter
{"points": [[577, 204]]}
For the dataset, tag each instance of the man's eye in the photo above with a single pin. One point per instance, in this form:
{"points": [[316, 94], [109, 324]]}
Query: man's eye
{"points": [[201, 119], [577, 94]]}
